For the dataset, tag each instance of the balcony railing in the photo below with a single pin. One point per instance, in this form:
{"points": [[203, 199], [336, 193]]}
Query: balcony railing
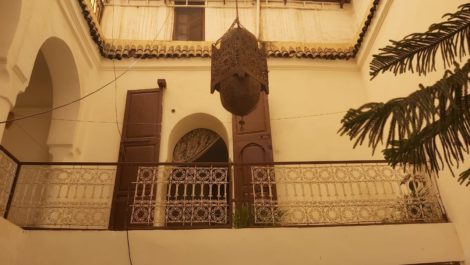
{"points": [[169, 195], [8, 171], [61, 196], [339, 194], [165, 195]]}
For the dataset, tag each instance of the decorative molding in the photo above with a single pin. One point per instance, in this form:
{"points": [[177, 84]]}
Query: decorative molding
{"points": [[73, 20], [372, 36], [200, 64], [184, 49], [19, 74], [365, 27]]}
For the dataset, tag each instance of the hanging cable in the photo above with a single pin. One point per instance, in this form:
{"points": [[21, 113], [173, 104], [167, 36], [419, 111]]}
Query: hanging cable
{"points": [[129, 67], [159, 123], [129, 256], [66, 104], [36, 141]]}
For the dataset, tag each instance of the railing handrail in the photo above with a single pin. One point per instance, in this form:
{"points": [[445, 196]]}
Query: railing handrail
{"points": [[10, 155], [76, 163], [282, 193], [222, 164]]}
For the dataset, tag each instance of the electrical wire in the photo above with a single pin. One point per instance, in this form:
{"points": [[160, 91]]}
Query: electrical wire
{"points": [[36, 141], [129, 67], [115, 102], [129, 256], [227, 122], [116, 122], [309, 115], [71, 102]]}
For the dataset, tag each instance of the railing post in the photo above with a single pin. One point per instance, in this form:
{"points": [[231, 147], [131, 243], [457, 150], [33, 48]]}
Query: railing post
{"points": [[12, 190]]}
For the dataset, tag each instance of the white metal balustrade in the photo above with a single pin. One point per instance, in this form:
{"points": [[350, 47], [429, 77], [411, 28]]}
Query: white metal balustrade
{"points": [[74, 195], [181, 196], [8, 168], [336, 194], [53, 196]]}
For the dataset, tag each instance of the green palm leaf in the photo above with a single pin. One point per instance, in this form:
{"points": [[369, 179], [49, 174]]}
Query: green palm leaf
{"points": [[427, 129], [417, 52]]}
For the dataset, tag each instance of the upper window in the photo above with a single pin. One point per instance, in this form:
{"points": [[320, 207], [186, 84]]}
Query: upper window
{"points": [[189, 21]]}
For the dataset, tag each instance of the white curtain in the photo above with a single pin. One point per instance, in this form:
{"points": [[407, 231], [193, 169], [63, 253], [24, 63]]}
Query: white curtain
{"points": [[138, 23], [218, 20], [279, 24], [301, 25]]}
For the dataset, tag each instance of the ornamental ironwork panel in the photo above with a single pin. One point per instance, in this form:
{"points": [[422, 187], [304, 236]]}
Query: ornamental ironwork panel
{"points": [[181, 196], [343, 194], [63, 196], [8, 169]]}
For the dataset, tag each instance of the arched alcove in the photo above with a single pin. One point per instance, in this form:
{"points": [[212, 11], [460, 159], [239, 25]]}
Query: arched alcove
{"points": [[66, 88], [53, 82], [191, 122], [197, 138], [27, 139]]}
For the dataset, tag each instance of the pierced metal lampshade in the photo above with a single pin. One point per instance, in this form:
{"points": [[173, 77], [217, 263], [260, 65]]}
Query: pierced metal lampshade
{"points": [[239, 70]]}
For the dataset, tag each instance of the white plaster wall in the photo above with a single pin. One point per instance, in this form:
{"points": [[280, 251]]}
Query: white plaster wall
{"points": [[11, 238], [187, 92], [306, 101], [403, 18], [359, 245], [361, 8]]}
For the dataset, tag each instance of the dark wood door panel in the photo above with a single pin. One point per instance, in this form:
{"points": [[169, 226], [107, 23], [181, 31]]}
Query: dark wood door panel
{"points": [[140, 142], [143, 119], [251, 144], [256, 123]]}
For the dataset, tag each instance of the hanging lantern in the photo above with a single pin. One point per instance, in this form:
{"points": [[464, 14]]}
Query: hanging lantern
{"points": [[239, 70]]}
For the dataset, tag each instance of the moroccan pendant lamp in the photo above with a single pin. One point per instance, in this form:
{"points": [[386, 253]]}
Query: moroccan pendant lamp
{"points": [[239, 69]]}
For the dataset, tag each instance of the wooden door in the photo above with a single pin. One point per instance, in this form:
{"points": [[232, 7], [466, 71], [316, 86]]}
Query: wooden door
{"points": [[251, 144], [140, 142]]}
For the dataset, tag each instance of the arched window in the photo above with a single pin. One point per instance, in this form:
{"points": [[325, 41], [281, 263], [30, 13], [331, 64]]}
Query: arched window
{"points": [[198, 195]]}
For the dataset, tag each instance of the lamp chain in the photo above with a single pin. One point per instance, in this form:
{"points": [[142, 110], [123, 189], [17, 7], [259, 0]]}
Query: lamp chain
{"points": [[237, 18]]}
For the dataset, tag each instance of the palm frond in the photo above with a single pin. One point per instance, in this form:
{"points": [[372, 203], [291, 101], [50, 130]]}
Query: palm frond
{"points": [[399, 118], [426, 130], [417, 52], [465, 177], [444, 141]]}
